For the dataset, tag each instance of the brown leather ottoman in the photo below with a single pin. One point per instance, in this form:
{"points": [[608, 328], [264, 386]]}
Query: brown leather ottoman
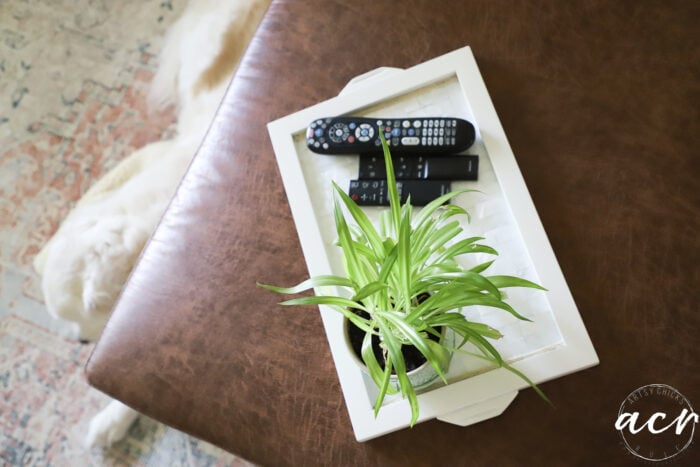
{"points": [[600, 104]]}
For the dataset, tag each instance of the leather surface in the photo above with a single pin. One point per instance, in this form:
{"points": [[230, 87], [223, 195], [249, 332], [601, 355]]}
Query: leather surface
{"points": [[600, 104]]}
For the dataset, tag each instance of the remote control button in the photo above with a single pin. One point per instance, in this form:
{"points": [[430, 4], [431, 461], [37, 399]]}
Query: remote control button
{"points": [[405, 124], [351, 139], [442, 123], [410, 141], [379, 123], [416, 124], [352, 125], [411, 132], [364, 132], [318, 132], [395, 132], [339, 132]]}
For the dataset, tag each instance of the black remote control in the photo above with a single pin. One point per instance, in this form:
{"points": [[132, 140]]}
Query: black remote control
{"points": [[455, 167], [356, 135], [376, 192]]}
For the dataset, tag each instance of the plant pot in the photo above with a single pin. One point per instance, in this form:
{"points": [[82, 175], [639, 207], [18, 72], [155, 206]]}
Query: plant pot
{"points": [[420, 372]]}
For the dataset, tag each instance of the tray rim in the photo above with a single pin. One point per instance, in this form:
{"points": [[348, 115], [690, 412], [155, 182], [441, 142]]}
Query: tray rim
{"points": [[577, 352]]}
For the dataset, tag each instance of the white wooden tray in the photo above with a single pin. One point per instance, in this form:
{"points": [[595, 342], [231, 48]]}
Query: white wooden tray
{"points": [[555, 344]]}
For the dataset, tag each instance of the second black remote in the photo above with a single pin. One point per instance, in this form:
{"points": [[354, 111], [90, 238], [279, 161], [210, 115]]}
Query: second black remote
{"points": [[455, 167], [359, 135], [376, 192]]}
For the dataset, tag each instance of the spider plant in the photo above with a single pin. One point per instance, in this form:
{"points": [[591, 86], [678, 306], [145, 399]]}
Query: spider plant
{"points": [[403, 284]]}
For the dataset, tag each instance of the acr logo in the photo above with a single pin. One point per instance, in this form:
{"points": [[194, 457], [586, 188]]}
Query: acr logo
{"points": [[656, 422]]}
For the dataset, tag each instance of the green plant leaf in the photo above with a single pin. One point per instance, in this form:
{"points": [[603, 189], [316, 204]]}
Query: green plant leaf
{"points": [[486, 300], [476, 248], [404, 259], [324, 300], [431, 207], [388, 263], [512, 281], [410, 394], [380, 377], [393, 346], [459, 322], [459, 248], [363, 222], [482, 267], [528, 381], [369, 289], [361, 323], [413, 337], [484, 345], [433, 239], [394, 201], [395, 356], [317, 281], [347, 244]]}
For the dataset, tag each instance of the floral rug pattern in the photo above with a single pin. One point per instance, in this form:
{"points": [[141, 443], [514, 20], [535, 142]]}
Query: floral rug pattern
{"points": [[73, 79]]}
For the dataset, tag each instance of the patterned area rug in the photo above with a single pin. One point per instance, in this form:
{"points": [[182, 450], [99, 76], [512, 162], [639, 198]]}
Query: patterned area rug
{"points": [[73, 80], [45, 408]]}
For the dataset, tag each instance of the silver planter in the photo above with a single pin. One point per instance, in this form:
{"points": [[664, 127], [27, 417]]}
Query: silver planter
{"points": [[420, 377]]}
